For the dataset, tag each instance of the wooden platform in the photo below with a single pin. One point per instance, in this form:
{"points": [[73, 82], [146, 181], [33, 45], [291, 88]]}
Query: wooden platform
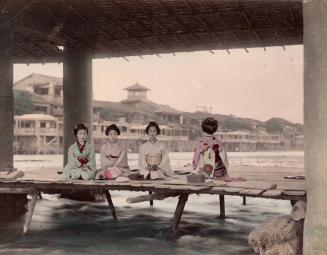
{"points": [[264, 182]]}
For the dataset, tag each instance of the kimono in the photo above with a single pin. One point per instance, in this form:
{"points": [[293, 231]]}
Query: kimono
{"points": [[81, 162], [163, 170], [210, 158], [114, 161]]}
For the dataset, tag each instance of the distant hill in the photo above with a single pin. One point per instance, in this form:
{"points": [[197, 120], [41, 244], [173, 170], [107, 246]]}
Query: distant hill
{"points": [[279, 125]]}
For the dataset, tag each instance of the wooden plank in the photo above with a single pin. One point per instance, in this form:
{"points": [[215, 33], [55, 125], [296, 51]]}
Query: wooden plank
{"points": [[253, 185], [16, 190], [227, 189], [272, 193], [294, 193], [143, 198], [181, 188], [252, 191]]}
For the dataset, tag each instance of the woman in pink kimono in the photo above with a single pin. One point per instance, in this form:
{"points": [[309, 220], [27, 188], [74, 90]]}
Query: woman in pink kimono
{"points": [[114, 162], [209, 157], [154, 161]]}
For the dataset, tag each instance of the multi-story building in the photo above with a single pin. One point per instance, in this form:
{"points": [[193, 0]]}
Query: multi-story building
{"points": [[43, 134], [252, 141]]}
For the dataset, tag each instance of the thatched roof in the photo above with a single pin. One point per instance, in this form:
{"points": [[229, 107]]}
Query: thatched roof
{"points": [[116, 28]]}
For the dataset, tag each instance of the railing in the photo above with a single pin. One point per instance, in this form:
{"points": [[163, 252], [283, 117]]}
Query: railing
{"points": [[24, 131], [36, 131]]}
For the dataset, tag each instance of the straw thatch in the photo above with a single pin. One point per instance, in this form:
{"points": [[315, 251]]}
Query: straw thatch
{"points": [[125, 27], [280, 236]]}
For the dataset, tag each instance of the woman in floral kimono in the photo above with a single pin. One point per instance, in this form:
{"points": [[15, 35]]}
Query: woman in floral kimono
{"points": [[81, 158], [209, 157], [114, 162], [153, 156]]}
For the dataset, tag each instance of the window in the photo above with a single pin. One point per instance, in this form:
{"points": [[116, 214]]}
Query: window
{"points": [[123, 129], [41, 109], [57, 92], [43, 124], [26, 124], [41, 91]]}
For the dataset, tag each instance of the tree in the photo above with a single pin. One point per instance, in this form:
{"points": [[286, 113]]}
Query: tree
{"points": [[23, 103]]}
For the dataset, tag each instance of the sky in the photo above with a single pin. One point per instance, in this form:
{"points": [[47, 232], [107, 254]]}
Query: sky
{"points": [[259, 84]]}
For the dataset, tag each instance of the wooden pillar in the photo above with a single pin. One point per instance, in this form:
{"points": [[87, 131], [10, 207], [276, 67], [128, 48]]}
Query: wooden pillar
{"points": [[151, 201], [6, 101], [111, 204], [244, 200], [178, 213], [222, 206], [315, 125], [77, 91], [11, 205]]}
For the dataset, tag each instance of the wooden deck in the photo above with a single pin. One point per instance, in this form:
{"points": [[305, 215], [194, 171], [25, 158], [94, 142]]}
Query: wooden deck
{"points": [[264, 182]]}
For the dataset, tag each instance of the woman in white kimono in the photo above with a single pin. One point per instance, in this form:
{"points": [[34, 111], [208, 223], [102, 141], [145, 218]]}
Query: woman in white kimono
{"points": [[153, 156], [81, 157], [114, 162]]}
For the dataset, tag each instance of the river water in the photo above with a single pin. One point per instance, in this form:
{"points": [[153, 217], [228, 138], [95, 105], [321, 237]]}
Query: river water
{"points": [[62, 226]]}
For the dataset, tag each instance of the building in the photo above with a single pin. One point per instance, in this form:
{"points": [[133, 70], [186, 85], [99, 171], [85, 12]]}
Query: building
{"points": [[43, 134], [36, 134], [179, 129], [252, 141]]}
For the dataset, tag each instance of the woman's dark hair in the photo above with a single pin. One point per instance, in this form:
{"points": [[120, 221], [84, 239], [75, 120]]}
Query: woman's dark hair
{"points": [[112, 127], [152, 124], [209, 125], [80, 127]]}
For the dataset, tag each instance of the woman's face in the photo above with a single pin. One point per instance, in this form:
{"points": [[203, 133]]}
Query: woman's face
{"points": [[81, 135], [152, 132], [112, 136]]}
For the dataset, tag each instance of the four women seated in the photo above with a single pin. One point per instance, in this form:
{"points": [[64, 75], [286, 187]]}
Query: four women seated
{"points": [[153, 161]]}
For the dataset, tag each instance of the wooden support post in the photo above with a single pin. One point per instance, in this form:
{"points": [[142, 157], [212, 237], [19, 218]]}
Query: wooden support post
{"points": [[222, 206], [30, 212], [178, 213], [151, 201], [244, 200], [111, 205]]}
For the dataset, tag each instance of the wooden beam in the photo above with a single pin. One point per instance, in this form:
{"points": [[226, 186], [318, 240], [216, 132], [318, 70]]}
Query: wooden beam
{"points": [[151, 201], [178, 213], [30, 212], [111, 205], [244, 200], [222, 206]]}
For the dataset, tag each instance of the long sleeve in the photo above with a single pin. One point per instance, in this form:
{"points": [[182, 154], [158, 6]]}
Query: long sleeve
{"points": [[121, 158], [92, 162], [165, 162], [142, 161], [103, 156], [224, 158], [196, 155], [72, 159]]}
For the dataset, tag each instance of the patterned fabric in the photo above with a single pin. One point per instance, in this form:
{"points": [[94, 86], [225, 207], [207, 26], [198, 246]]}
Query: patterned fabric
{"points": [[81, 163], [209, 152]]}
